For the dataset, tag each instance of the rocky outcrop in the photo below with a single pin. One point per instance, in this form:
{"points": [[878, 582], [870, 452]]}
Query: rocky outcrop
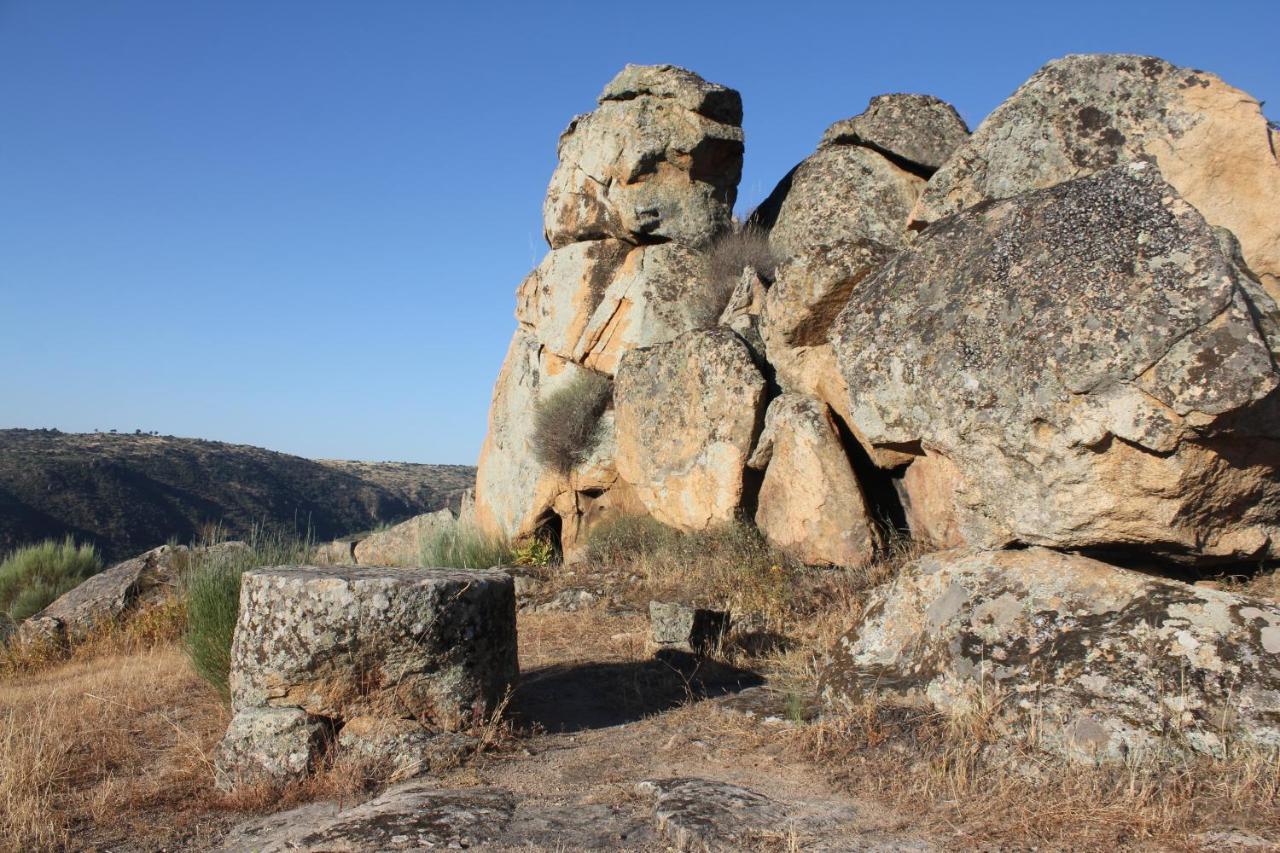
{"points": [[658, 160], [331, 646], [1083, 113], [1092, 363], [687, 415], [841, 193], [1088, 660], [643, 184], [810, 503], [919, 131], [111, 593]]}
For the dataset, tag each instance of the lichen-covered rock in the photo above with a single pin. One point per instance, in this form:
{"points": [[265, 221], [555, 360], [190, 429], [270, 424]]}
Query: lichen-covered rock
{"points": [[841, 193], [703, 814], [687, 413], [658, 160], [271, 746], [922, 130], [406, 747], [1094, 660], [683, 627], [810, 503], [589, 305], [113, 591], [808, 294], [1092, 363], [401, 544], [433, 645], [1083, 113], [514, 490]]}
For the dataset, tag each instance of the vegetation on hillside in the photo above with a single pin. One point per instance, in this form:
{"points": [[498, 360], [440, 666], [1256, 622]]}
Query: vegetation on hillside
{"points": [[32, 577], [128, 493]]}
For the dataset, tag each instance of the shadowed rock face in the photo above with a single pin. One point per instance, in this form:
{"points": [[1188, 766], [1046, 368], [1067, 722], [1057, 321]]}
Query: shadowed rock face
{"points": [[1098, 661], [643, 183], [810, 502], [1092, 364], [1089, 112]]}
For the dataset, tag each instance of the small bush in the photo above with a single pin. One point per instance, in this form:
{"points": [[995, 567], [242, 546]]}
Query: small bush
{"points": [[211, 589], [745, 245], [464, 547], [565, 423], [32, 578]]}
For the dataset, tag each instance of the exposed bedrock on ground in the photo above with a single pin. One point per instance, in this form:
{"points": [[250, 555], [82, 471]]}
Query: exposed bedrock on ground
{"points": [[1092, 363], [1086, 659], [1088, 112]]}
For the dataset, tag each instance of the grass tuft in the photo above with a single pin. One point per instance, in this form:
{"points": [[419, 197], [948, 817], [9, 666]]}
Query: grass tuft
{"points": [[461, 546], [211, 590], [31, 578], [745, 245], [565, 422]]}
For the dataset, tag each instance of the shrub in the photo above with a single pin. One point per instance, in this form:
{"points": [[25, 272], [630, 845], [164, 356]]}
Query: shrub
{"points": [[744, 245], [31, 578], [564, 425], [461, 546], [211, 588]]}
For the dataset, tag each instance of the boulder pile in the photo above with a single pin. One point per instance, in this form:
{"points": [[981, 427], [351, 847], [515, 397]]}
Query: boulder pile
{"points": [[1044, 344]]}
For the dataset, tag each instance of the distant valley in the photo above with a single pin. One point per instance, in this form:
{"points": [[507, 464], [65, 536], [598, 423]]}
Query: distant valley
{"points": [[128, 493]]}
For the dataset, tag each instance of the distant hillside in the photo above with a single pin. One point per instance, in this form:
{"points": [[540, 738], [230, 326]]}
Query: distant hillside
{"points": [[128, 493]]}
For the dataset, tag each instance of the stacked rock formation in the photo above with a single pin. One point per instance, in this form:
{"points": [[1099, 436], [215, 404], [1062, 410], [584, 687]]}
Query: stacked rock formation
{"points": [[1059, 332]]}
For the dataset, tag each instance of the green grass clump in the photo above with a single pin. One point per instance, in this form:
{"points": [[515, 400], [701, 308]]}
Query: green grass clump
{"points": [[462, 546], [31, 578], [565, 422], [211, 588]]}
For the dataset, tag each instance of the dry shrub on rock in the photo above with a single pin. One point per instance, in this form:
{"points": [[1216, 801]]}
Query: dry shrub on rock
{"points": [[744, 245], [565, 422]]}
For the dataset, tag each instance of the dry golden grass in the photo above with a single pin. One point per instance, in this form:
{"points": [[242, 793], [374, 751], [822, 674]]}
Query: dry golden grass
{"points": [[954, 776], [84, 742]]}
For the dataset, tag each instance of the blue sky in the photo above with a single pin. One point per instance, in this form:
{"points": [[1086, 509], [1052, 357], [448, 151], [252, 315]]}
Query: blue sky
{"points": [[301, 224]]}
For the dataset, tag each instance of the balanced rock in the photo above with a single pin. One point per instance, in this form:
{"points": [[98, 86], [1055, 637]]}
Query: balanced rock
{"points": [[658, 160], [839, 194], [1083, 113], [1099, 662], [810, 503], [1092, 366], [687, 414], [919, 130]]}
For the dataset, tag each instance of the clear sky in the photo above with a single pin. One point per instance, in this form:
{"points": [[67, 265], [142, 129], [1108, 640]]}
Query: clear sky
{"points": [[300, 225]]}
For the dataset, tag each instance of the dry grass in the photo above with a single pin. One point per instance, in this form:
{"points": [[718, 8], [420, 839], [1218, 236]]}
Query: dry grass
{"points": [[85, 742], [565, 421], [956, 776]]}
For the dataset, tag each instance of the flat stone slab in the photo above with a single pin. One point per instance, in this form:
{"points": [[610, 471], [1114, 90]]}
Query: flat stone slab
{"points": [[417, 816]]}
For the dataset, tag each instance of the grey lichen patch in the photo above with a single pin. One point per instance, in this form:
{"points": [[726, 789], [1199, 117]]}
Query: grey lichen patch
{"points": [[1096, 661]]}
